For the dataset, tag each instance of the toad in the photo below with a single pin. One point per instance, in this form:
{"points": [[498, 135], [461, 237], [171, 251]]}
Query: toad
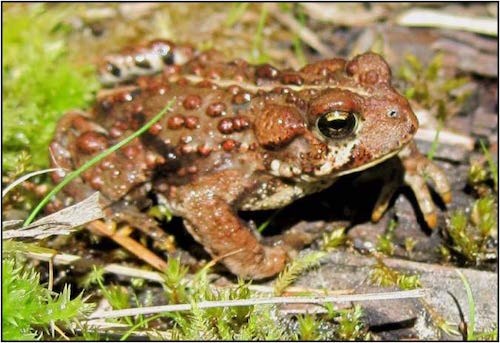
{"points": [[238, 137]]}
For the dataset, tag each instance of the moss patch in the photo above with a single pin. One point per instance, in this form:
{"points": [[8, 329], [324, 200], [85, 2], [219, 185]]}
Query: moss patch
{"points": [[40, 81]]}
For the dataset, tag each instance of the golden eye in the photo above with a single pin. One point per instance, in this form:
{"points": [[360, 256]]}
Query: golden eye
{"points": [[337, 124]]}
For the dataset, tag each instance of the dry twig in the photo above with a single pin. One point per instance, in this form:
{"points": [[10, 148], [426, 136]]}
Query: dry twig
{"points": [[431, 18], [129, 244], [62, 222], [316, 300], [306, 35], [342, 13]]}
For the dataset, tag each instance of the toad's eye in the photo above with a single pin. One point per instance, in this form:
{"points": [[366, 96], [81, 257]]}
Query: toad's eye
{"points": [[337, 124]]}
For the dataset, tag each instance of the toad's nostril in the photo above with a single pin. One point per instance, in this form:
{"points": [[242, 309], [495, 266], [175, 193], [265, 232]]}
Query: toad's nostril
{"points": [[413, 121]]}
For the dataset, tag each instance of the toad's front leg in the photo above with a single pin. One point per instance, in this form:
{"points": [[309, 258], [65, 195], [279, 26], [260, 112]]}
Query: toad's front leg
{"points": [[208, 209], [418, 170]]}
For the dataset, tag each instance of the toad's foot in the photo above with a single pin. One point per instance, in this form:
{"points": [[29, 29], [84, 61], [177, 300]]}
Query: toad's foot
{"points": [[207, 207], [419, 170], [144, 59]]}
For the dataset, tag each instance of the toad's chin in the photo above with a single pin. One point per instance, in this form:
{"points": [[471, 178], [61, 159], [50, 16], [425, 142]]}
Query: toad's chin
{"points": [[369, 164]]}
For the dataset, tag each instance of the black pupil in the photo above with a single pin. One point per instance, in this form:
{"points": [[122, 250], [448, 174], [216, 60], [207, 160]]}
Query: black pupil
{"points": [[337, 125], [167, 57], [113, 69]]}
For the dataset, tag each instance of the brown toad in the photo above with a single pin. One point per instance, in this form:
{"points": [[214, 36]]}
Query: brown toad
{"points": [[239, 137]]}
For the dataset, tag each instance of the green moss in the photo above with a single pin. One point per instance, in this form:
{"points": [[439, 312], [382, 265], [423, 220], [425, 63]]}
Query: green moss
{"points": [[220, 323], [295, 268], [382, 275], [478, 176], [308, 328], [40, 82], [385, 243], [174, 282], [469, 235], [350, 325], [28, 308], [426, 85], [250, 322], [483, 173], [488, 335], [409, 245], [332, 240]]}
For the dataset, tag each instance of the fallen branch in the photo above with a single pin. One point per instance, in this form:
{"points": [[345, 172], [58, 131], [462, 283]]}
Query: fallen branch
{"points": [[117, 269], [306, 35], [431, 18], [446, 137], [317, 300], [57, 259], [341, 14], [129, 244]]}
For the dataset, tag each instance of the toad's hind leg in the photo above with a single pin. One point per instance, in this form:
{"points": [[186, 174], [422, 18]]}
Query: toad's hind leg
{"points": [[207, 209], [145, 59], [64, 150]]}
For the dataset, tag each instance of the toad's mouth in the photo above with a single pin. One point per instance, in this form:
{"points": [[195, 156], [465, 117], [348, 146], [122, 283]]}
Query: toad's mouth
{"points": [[370, 164]]}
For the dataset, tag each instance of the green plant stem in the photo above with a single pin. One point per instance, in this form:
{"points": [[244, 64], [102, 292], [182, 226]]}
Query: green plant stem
{"points": [[141, 323], [435, 142], [257, 40], [237, 10], [73, 175], [297, 43], [265, 224], [491, 164], [472, 307]]}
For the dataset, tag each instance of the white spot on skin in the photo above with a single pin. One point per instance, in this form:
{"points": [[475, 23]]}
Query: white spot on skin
{"points": [[286, 170], [275, 165], [343, 154], [296, 170], [326, 168], [243, 147], [307, 178]]}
